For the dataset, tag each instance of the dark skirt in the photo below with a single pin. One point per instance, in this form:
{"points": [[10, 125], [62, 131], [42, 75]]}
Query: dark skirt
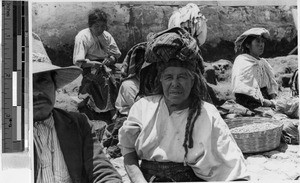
{"points": [[250, 102], [154, 171], [102, 88]]}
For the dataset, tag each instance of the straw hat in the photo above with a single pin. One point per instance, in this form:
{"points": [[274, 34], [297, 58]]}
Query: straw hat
{"points": [[254, 32], [42, 63]]}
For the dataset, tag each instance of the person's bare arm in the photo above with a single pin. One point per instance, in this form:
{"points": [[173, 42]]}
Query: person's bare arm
{"points": [[132, 168]]}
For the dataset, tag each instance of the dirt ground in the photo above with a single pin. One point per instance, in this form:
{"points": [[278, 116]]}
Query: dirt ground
{"points": [[280, 164]]}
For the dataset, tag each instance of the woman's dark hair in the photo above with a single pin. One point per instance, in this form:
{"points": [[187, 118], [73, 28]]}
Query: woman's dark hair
{"points": [[198, 95], [95, 16], [247, 41]]}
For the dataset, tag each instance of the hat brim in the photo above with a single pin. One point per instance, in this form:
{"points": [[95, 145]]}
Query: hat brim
{"points": [[65, 75]]}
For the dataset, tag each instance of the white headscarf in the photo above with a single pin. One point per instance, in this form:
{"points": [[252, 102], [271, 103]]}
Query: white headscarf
{"points": [[257, 31], [190, 18]]}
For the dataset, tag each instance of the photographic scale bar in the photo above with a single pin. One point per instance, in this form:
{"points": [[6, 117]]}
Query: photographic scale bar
{"points": [[15, 67]]}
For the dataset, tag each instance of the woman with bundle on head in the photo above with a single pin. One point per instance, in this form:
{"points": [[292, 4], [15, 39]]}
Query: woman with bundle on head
{"points": [[253, 79], [175, 133]]}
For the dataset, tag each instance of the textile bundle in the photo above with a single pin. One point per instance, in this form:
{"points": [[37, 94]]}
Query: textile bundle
{"points": [[190, 18]]}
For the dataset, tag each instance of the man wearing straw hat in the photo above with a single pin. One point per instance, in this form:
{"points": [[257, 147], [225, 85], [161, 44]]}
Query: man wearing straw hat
{"points": [[65, 145]]}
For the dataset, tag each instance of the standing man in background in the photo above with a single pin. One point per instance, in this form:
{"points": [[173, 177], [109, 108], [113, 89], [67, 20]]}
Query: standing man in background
{"points": [[96, 52]]}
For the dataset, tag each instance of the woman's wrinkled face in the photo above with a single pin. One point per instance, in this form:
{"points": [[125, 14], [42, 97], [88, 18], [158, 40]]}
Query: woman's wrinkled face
{"points": [[177, 83], [257, 46]]}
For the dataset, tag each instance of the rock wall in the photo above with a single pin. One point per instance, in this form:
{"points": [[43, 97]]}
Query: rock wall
{"points": [[57, 24]]}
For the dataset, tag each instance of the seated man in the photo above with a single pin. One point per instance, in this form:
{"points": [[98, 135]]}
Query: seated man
{"points": [[66, 147], [96, 52]]}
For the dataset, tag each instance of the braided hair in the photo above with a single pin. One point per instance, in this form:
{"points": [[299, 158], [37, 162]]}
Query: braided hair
{"points": [[198, 94]]}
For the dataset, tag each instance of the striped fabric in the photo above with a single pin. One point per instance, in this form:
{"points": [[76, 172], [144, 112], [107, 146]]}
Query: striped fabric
{"points": [[51, 166], [134, 60], [173, 43]]}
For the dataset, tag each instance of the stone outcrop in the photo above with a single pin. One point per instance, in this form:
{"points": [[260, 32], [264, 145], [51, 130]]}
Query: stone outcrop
{"points": [[57, 24]]}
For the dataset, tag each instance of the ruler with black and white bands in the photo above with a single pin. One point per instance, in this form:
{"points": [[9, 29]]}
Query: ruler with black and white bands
{"points": [[15, 72]]}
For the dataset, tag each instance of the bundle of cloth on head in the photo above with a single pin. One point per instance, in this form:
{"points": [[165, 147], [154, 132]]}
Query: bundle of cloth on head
{"points": [[257, 31], [190, 18], [171, 47]]}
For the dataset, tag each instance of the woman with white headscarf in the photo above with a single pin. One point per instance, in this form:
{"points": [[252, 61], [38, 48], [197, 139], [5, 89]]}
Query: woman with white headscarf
{"points": [[253, 79]]}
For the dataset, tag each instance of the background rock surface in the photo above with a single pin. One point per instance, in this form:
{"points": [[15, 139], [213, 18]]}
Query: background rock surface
{"points": [[57, 23]]}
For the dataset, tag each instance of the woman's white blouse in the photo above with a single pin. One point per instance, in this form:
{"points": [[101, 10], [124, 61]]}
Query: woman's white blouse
{"points": [[157, 135], [250, 74]]}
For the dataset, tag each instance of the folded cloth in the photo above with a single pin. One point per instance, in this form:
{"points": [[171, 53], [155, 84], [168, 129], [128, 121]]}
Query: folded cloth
{"points": [[290, 131], [289, 107], [133, 61], [175, 43], [234, 108]]}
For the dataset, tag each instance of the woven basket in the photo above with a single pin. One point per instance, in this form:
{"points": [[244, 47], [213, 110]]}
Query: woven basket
{"points": [[255, 134]]}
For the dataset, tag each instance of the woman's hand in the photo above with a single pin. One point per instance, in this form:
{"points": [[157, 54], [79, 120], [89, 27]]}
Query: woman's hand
{"points": [[109, 60], [132, 168], [268, 103]]}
